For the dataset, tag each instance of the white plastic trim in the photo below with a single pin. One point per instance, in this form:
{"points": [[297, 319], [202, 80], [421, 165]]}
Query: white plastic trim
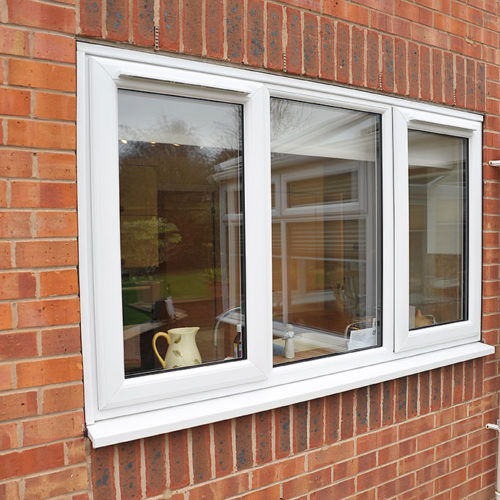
{"points": [[117, 430]]}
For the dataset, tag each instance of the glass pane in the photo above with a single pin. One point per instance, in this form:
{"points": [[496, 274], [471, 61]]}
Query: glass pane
{"points": [[181, 231], [437, 198], [327, 235]]}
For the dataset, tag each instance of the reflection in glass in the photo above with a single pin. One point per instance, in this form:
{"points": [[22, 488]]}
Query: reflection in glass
{"points": [[326, 230], [181, 229], [437, 198]]}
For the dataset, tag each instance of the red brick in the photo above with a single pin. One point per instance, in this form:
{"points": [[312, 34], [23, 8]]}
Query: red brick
{"points": [[56, 483], [15, 225], [282, 431], [399, 485], [45, 253], [38, 134], [14, 102], [413, 70], [20, 463], [358, 56], [223, 447], [294, 42], [307, 483], [361, 410], [387, 64], [55, 106], [255, 32], [424, 387], [178, 459], [224, 488], [170, 24], [56, 166], [117, 21], [480, 87], [192, 27], [129, 467], [328, 456], [18, 405], [397, 451], [278, 471], [18, 345], [376, 476], [434, 437], [347, 415], [48, 312], [447, 386], [15, 163], [425, 73], [430, 36], [316, 422], [214, 20], [200, 456], [265, 494], [41, 74], [311, 45], [8, 439], [14, 41], [3, 194], [5, 316], [372, 59], [143, 22], [412, 402], [414, 427], [26, 194], [342, 9], [63, 398], [103, 484], [90, 17], [155, 459], [264, 445], [300, 413], [343, 45], [53, 428], [6, 382], [235, 14], [400, 66], [54, 47], [354, 466], [56, 224], [17, 285], [332, 418], [274, 42], [61, 341], [41, 15], [338, 490], [49, 371], [58, 283], [5, 255], [390, 25]]}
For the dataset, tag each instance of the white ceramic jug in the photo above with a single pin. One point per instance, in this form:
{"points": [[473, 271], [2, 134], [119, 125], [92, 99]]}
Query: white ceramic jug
{"points": [[182, 349]]}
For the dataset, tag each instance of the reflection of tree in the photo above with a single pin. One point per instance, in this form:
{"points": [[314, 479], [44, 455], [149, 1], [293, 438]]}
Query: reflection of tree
{"points": [[140, 236]]}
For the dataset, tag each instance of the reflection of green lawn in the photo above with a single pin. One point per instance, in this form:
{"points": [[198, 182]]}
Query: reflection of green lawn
{"points": [[183, 285]]}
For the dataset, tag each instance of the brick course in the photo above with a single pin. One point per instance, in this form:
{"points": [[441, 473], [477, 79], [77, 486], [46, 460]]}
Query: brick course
{"points": [[420, 436]]}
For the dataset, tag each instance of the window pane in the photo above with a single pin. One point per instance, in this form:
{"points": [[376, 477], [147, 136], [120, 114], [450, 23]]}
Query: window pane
{"points": [[181, 230], [326, 230], [437, 198]]}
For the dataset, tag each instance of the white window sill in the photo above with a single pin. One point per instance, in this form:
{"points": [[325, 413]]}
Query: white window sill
{"points": [[121, 429]]}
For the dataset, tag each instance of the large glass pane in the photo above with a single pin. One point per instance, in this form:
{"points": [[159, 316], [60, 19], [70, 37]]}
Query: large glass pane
{"points": [[438, 202], [181, 231], [326, 227]]}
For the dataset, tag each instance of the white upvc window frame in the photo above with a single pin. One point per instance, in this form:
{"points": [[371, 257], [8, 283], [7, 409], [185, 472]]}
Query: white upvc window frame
{"points": [[460, 331], [120, 409]]}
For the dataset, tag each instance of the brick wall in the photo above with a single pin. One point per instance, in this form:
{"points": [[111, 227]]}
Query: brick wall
{"points": [[420, 436]]}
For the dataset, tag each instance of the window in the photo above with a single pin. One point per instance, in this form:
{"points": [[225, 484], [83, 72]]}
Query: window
{"points": [[249, 240]]}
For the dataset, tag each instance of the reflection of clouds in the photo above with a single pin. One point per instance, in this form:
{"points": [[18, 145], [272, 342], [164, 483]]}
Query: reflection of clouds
{"points": [[318, 130], [186, 121]]}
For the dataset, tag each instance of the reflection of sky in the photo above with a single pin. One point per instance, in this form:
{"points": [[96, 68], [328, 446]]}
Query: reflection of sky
{"points": [[318, 130], [177, 120]]}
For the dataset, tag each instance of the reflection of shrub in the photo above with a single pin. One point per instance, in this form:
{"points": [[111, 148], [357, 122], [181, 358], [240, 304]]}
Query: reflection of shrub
{"points": [[212, 274], [148, 241]]}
